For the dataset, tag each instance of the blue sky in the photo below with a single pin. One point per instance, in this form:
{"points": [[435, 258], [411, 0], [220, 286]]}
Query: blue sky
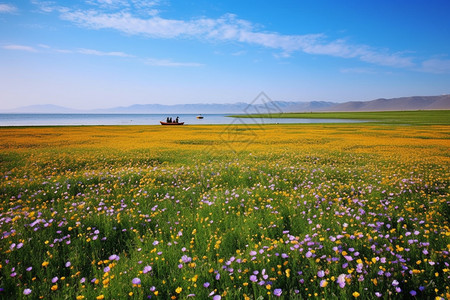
{"points": [[105, 53]]}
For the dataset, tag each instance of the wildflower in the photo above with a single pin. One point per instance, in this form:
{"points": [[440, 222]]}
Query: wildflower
{"points": [[54, 279], [253, 278], [136, 281], [45, 263], [321, 273], [106, 269], [27, 291], [277, 292], [178, 290], [186, 259], [147, 269], [54, 287], [68, 264], [100, 297], [206, 284], [323, 283], [413, 293], [217, 297], [341, 280], [114, 257], [356, 294]]}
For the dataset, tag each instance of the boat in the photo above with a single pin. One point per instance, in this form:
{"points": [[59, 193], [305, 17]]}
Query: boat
{"points": [[199, 117], [173, 123]]}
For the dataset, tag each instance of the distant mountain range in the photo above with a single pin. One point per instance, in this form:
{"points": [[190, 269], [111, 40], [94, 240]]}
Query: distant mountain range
{"points": [[404, 103]]}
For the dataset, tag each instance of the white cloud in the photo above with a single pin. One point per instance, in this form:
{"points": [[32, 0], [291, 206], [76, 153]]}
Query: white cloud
{"points": [[169, 63], [230, 28], [101, 53], [19, 48], [437, 66], [7, 8], [225, 28]]}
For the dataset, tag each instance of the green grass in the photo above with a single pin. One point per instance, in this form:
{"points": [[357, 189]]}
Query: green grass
{"points": [[294, 210], [420, 117]]}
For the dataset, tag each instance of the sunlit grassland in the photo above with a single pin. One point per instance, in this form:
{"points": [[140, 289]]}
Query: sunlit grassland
{"points": [[417, 117], [289, 211]]}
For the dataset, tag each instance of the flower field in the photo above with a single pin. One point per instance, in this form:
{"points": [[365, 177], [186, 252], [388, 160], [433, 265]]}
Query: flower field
{"points": [[225, 212]]}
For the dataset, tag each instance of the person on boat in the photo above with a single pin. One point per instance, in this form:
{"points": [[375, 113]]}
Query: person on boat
{"points": [[167, 120], [176, 120], [170, 119]]}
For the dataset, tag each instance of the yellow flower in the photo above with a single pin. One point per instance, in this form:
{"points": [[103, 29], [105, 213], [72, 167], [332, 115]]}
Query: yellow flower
{"points": [[100, 297], [54, 287], [178, 290], [45, 263], [356, 294], [80, 297]]}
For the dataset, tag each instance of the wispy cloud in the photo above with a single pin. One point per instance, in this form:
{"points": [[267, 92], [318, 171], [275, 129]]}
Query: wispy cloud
{"points": [[438, 66], [7, 8], [84, 51], [19, 48], [101, 53], [229, 28], [357, 71], [169, 63]]}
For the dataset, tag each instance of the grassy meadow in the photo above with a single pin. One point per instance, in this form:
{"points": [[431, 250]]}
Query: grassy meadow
{"points": [[225, 212]]}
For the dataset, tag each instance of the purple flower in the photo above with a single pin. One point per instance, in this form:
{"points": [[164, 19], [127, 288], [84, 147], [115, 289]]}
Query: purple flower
{"points": [[27, 291], [186, 259], [253, 278], [147, 269], [218, 276], [413, 293], [106, 269], [378, 294], [136, 281], [217, 297], [206, 284], [68, 264], [54, 279], [114, 257], [341, 280], [321, 273], [284, 255], [308, 254], [277, 292]]}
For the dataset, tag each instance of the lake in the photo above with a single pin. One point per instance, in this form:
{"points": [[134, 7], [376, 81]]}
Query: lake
{"points": [[143, 119]]}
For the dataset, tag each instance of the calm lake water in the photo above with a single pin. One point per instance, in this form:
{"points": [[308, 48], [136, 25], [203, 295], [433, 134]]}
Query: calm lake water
{"points": [[141, 119]]}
